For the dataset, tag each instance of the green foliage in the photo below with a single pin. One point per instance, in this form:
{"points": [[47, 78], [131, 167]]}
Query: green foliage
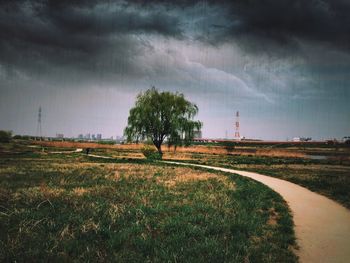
{"points": [[151, 153], [160, 115], [5, 136]]}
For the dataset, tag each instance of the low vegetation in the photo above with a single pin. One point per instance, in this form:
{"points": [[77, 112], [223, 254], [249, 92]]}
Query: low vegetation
{"points": [[5, 136], [151, 153], [59, 207], [329, 176]]}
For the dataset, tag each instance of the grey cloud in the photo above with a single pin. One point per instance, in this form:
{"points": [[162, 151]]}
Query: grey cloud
{"points": [[272, 23], [284, 23], [55, 38], [107, 36], [106, 41]]}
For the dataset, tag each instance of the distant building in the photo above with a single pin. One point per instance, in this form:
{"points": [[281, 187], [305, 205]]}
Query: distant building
{"points": [[93, 137], [87, 136], [59, 135], [296, 139], [99, 136], [80, 136]]}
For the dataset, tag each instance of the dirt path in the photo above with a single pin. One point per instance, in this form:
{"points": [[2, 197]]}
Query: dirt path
{"points": [[322, 226], [75, 151], [99, 156]]}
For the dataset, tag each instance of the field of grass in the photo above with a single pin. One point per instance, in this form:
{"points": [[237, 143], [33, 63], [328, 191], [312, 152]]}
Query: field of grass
{"points": [[60, 207], [329, 176]]}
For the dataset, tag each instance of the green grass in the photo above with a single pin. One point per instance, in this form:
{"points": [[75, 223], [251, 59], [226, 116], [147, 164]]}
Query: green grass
{"points": [[334, 183], [76, 208], [329, 177]]}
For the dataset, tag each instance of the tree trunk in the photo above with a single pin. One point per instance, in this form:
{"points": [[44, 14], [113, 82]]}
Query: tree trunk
{"points": [[159, 148]]}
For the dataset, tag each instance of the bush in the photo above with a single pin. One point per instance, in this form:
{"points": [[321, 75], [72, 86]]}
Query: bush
{"points": [[5, 136], [151, 153], [107, 142], [229, 147]]}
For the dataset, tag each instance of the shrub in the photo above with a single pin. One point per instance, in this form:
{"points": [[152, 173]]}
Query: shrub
{"points": [[151, 153], [229, 147], [5, 136], [107, 142]]}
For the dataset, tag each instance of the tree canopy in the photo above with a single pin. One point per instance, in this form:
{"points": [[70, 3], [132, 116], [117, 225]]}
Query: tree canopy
{"points": [[162, 115]]}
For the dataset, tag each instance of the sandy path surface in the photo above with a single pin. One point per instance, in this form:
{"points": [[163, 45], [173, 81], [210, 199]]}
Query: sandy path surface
{"points": [[322, 226]]}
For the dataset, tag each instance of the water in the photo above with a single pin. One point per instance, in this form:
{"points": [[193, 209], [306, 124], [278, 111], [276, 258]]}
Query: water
{"points": [[317, 157]]}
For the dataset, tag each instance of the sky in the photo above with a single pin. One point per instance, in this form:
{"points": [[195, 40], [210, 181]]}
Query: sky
{"points": [[284, 65]]}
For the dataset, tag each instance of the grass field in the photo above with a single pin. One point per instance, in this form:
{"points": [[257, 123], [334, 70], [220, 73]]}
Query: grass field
{"points": [[329, 175], [60, 207]]}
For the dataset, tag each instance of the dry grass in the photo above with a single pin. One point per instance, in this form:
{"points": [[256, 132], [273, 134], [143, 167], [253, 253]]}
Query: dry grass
{"points": [[170, 176], [79, 191], [273, 217], [76, 208], [180, 154], [135, 170]]}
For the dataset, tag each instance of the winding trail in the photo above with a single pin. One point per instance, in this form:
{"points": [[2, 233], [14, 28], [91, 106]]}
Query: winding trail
{"points": [[322, 226]]}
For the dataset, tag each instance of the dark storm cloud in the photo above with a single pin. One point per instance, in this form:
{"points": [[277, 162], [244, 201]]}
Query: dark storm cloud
{"points": [[40, 36], [107, 35], [279, 22], [289, 20]]}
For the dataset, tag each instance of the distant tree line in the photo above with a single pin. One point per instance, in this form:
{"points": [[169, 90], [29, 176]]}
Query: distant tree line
{"points": [[5, 136]]}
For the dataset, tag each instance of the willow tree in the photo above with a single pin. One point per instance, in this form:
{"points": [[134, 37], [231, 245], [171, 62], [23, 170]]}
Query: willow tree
{"points": [[160, 116]]}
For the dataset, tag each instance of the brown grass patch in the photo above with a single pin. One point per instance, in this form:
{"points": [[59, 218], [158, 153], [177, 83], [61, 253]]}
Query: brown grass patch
{"points": [[168, 176], [187, 177], [79, 191], [138, 170], [192, 149], [273, 217], [177, 175], [49, 192], [90, 225]]}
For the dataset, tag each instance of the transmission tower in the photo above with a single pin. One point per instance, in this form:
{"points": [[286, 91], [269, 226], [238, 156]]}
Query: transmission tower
{"points": [[237, 135], [38, 127]]}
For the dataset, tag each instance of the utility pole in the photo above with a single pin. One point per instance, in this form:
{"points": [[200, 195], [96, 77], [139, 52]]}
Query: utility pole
{"points": [[38, 127], [237, 135]]}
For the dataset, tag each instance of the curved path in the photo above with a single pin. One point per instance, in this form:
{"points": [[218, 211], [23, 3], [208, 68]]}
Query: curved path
{"points": [[322, 226]]}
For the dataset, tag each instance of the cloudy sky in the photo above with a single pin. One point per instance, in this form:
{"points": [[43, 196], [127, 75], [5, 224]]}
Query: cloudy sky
{"points": [[284, 64]]}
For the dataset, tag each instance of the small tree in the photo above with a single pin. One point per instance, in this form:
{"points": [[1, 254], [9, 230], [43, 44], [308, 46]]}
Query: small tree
{"points": [[5, 136], [162, 115]]}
